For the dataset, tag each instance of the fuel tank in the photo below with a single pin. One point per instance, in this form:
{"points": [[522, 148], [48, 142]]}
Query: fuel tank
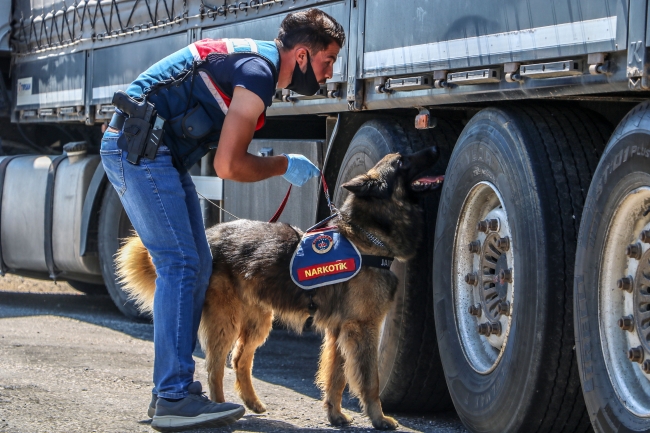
{"points": [[23, 215]]}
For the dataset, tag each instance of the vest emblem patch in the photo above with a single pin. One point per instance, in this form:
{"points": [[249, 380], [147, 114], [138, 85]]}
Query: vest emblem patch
{"points": [[322, 244]]}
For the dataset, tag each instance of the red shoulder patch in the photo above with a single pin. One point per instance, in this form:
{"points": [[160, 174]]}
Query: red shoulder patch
{"points": [[207, 46]]}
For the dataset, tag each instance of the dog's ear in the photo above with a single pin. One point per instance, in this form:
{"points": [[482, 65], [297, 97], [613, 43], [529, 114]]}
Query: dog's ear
{"points": [[366, 186]]}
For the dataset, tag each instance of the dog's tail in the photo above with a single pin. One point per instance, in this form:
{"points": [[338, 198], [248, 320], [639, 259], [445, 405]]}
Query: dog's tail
{"points": [[136, 273]]}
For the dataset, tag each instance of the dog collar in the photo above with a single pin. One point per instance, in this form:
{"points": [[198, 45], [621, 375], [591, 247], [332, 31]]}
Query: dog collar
{"points": [[372, 238]]}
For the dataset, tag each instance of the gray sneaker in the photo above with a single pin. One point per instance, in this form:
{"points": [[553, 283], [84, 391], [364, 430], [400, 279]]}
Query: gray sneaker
{"points": [[194, 411], [152, 405]]}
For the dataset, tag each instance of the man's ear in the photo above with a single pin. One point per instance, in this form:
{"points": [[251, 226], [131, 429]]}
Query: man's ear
{"points": [[302, 57], [366, 186]]}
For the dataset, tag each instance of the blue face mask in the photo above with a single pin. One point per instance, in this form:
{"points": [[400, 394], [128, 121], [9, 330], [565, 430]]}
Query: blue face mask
{"points": [[304, 83]]}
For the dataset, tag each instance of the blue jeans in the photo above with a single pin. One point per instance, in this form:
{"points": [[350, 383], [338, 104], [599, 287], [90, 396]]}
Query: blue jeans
{"points": [[164, 209]]}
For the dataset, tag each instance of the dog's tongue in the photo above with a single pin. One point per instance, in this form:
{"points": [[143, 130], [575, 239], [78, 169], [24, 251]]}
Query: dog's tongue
{"points": [[428, 182]]}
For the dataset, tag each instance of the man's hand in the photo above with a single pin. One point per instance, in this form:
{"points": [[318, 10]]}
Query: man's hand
{"points": [[232, 160], [300, 169]]}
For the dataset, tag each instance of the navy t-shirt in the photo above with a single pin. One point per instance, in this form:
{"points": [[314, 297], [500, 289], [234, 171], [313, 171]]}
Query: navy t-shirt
{"points": [[245, 70]]}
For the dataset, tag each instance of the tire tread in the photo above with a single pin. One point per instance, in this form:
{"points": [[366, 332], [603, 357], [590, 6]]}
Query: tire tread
{"points": [[568, 146]]}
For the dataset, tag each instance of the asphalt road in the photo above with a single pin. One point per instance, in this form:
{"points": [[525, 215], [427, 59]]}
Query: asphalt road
{"points": [[72, 363]]}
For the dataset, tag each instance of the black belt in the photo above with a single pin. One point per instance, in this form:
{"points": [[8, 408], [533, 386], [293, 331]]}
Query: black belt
{"points": [[117, 121]]}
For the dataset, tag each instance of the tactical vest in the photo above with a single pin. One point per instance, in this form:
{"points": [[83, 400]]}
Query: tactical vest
{"points": [[187, 95]]}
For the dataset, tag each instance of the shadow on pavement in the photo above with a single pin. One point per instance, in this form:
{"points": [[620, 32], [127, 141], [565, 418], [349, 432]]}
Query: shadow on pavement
{"points": [[97, 310], [286, 359]]}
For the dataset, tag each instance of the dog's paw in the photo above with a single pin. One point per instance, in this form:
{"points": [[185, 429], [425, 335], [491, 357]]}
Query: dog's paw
{"points": [[256, 406], [385, 423], [339, 419]]}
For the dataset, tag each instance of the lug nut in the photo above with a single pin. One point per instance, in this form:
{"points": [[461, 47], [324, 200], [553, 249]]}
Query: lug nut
{"points": [[625, 283], [471, 278], [484, 329], [504, 308], [505, 276], [646, 366], [488, 329], [626, 323], [486, 226], [634, 251], [645, 236], [475, 310], [635, 354], [475, 247], [503, 244]]}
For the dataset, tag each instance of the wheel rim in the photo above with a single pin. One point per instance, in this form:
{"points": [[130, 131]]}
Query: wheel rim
{"points": [[624, 301], [483, 282]]}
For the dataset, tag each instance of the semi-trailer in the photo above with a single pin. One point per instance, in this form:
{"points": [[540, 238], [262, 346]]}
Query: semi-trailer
{"points": [[527, 307]]}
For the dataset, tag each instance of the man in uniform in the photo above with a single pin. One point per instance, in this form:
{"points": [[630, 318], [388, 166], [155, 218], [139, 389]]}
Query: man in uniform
{"points": [[213, 93]]}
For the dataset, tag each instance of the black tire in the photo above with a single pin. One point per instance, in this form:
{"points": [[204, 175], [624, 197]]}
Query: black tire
{"points": [[410, 373], [624, 167], [114, 225], [87, 288], [540, 160]]}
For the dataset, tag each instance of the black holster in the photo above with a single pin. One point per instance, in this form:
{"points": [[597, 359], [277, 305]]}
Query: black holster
{"points": [[143, 129]]}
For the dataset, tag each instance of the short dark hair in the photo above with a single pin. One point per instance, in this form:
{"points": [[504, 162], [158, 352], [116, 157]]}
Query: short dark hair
{"points": [[313, 28]]}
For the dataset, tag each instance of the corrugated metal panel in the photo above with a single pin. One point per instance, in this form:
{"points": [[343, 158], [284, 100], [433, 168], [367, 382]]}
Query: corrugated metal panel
{"points": [[114, 68], [267, 29], [52, 81], [474, 33], [5, 24], [260, 200]]}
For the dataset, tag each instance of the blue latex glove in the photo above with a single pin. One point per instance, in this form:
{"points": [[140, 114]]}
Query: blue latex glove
{"points": [[300, 169]]}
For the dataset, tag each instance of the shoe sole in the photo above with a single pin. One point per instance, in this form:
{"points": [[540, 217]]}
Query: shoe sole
{"points": [[172, 423]]}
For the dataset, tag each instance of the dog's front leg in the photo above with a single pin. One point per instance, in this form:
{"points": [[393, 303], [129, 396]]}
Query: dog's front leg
{"points": [[358, 342], [331, 379]]}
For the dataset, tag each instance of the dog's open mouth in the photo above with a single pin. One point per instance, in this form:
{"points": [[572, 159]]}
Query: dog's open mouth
{"points": [[427, 183]]}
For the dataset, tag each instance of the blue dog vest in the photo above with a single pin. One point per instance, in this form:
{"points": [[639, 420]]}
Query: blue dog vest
{"points": [[324, 257]]}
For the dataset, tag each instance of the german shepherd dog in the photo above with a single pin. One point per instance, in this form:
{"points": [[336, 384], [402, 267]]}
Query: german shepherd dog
{"points": [[251, 284]]}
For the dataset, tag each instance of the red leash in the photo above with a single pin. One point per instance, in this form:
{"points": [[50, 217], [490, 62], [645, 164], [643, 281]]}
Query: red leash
{"points": [[278, 212]]}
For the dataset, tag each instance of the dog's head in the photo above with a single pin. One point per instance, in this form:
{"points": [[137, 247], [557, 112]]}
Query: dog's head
{"points": [[402, 177]]}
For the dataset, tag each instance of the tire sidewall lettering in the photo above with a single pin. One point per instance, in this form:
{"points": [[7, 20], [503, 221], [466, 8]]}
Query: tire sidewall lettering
{"points": [[625, 162]]}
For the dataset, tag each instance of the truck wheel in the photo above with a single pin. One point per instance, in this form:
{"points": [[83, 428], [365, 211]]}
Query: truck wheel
{"points": [[503, 267], [87, 288], [114, 225], [612, 282], [410, 373]]}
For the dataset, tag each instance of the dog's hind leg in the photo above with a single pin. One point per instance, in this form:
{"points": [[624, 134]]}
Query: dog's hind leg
{"points": [[331, 379], [359, 342], [254, 331], [220, 325]]}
